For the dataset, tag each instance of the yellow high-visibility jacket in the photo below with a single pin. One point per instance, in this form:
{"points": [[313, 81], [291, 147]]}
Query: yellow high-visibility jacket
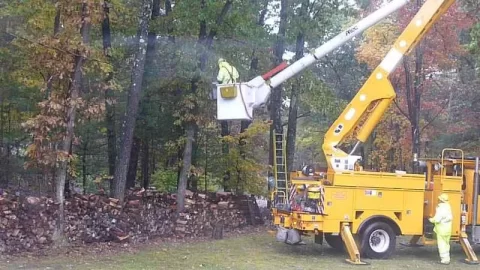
{"points": [[443, 219], [227, 73]]}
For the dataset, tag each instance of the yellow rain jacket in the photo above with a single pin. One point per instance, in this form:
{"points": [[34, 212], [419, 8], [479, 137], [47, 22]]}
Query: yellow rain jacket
{"points": [[443, 228], [226, 73], [443, 219]]}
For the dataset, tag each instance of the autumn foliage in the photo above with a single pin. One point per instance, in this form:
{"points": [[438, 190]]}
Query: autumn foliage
{"points": [[421, 83], [52, 57]]}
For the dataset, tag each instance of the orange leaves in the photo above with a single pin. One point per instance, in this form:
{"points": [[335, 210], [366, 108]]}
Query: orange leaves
{"points": [[441, 44], [51, 60]]}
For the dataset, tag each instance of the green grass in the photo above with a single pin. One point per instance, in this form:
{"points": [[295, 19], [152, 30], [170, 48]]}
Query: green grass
{"points": [[252, 251]]}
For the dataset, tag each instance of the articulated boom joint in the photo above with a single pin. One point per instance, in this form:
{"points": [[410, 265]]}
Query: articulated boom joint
{"points": [[347, 163]]}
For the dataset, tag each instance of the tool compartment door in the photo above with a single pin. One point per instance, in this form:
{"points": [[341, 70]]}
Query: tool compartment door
{"points": [[379, 199], [404, 207]]}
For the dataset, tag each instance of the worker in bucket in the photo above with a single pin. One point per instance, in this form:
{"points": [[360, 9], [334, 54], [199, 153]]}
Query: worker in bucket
{"points": [[226, 72], [443, 227]]}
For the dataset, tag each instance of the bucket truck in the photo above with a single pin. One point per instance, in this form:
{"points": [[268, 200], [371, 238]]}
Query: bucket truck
{"points": [[358, 211]]}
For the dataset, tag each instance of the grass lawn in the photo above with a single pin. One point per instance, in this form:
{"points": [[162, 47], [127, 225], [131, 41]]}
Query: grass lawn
{"points": [[252, 251]]}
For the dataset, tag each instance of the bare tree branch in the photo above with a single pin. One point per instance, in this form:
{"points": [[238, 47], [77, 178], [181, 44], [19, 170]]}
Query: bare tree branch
{"points": [[400, 109], [434, 118]]}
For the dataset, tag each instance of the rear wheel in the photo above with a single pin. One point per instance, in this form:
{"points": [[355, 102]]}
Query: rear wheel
{"points": [[335, 241], [378, 241]]}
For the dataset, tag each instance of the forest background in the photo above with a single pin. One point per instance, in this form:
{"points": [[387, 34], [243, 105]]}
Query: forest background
{"points": [[116, 94]]}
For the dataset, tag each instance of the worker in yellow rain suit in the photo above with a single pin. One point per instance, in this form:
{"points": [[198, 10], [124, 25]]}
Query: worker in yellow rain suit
{"points": [[443, 227], [226, 72]]}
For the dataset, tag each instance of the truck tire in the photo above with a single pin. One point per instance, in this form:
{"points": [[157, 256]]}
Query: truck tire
{"points": [[335, 241], [378, 241]]}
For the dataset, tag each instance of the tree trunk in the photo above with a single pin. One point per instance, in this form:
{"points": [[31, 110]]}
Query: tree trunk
{"points": [[241, 144], [195, 147], [111, 135], [263, 13], [128, 126], [106, 37], [2, 147], [133, 164], [224, 132], [179, 169], [187, 161], [276, 95], [224, 124], [7, 172], [205, 43], [168, 10], [84, 167], [418, 81], [149, 74], [56, 30], [293, 109], [413, 95], [109, 95], [74, 91], [254, 61], [145, 164], [152, 42]]}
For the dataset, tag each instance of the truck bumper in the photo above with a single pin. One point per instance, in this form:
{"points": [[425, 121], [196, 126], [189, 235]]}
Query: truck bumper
{"points": [[302, 221]]}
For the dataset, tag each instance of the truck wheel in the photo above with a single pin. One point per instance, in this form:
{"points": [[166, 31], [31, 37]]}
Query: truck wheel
{"points": [[378, 241], [335, 241]]}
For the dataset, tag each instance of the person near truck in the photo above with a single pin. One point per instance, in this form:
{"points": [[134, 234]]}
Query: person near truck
{"points": [[443, 227]]}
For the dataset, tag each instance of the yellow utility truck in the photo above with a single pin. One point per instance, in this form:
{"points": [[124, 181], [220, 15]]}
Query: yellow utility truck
{"points": [[359, 211], [363, 212]]}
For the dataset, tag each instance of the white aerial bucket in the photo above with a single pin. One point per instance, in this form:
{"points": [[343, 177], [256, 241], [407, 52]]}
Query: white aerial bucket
{"points": [[234, 101]]}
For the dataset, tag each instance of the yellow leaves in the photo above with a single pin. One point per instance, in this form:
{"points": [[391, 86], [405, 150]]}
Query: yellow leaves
{"points": [[377, 42], [31, 150], [229, 139], [392, 143], [27, 79], [93, 109], [244, 160], [105, 67]]}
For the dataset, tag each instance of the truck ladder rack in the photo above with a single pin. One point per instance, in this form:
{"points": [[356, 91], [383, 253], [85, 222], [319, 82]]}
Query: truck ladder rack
{"points": [[280, 169]]}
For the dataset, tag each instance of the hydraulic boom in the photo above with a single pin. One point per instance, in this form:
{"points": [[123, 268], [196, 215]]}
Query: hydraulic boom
{"points": [[370, 103], [237, 101]]}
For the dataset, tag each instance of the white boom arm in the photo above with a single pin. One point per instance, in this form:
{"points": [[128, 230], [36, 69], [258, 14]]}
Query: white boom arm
{"points": [[237, 101]]}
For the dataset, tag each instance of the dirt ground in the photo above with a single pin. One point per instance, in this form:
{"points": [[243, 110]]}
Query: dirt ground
{"points": [[255, 250]]}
